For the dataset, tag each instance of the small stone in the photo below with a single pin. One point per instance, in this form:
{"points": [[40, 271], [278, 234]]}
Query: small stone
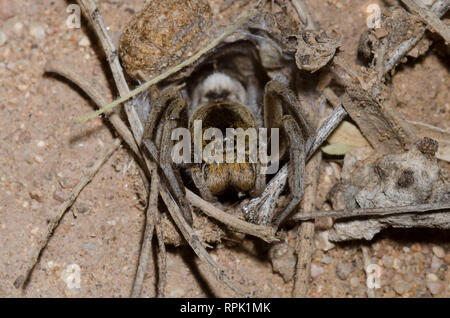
{"points": [[3, 38], [37, 31], [283, 260], [436, 263], [22, 87], [447, 258], [322, 242], [19, 281], [354, 282], [323, 224], [397, 264], [58, 196], [326, 260], [83, 207], [41, 144], [316, 271], [438, 251], [400, 286], [18, 27], [416, 247], [388, 261], [38, 159], [84, 42], [67, 183], [35, 230], [37, 195], [71, 275], [432, 277], [343, 270], [435, 288]]}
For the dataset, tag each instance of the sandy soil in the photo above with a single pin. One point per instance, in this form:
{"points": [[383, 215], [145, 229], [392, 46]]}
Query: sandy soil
{"points": [[43, 155]]}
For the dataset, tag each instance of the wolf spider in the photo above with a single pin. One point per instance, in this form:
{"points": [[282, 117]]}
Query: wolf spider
{"points": [[221, 95]]}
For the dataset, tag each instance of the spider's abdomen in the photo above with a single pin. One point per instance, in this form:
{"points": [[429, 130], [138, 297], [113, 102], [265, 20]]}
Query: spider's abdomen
{"points": [[225, 132]]}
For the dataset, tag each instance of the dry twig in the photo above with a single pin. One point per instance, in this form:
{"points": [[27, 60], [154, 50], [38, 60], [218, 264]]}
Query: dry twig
{"points": [[373, 212], [429, 18], [146, 246], [263, 232], [304, 244], [60, 212]]}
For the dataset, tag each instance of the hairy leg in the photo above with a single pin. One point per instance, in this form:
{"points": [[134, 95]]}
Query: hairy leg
{"points": [[296, 167]]}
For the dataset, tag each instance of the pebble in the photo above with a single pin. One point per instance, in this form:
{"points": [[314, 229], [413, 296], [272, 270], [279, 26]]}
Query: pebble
{"points": [[343, 270], [447, 258], [58, 196], [436, 263], [400, 286], [283, 260], [326, 260], [388, 261], [316, 271], [397, 264], [38, 159], [438, 251], [41, 144], [37, 195], [84, 42], [22, 87], [432, 277], [71, 275], [322, 242], [83, 207], [67, 182], [354, 282], [416, 247], [37, 31], [3, 38], [18, 27], [435, 287]]}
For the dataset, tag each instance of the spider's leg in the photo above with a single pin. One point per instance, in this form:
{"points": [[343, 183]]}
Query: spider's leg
{"points": [[166, 109], [199, 181], [157, 110], [296, 166], [172, 117], [275, 91], [260, 181]]}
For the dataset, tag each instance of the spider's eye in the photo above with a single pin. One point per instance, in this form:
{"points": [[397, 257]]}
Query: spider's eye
{"points": [[217, 96]]}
